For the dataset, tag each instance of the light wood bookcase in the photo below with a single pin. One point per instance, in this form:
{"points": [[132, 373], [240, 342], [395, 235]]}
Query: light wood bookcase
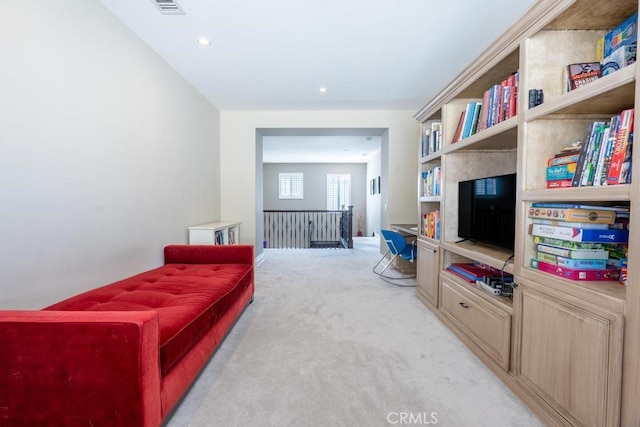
{"points": [[569, 349]]}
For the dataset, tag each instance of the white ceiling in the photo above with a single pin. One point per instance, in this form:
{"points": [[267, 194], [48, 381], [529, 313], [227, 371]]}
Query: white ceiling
{"points": [[275, 55]]}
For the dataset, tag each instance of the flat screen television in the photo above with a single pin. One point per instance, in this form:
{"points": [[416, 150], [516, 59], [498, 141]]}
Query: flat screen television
{"points": [[487, 210]]}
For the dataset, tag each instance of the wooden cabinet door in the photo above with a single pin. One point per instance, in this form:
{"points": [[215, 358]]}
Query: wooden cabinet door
{"points": [[570, 354], [487, 325], [428, 266]]}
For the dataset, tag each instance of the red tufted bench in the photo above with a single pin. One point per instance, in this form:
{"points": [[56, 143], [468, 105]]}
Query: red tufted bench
{"points": [[125, 353]]}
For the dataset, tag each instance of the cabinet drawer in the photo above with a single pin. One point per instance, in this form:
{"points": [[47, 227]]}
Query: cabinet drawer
{"points": [[487, 325]]}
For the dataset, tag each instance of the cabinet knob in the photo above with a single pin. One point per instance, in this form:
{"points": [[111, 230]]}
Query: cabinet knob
{"points": [[464, 305]]}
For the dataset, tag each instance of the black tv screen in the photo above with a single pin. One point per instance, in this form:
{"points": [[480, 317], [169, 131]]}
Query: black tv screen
{"points": [[486, 210]]}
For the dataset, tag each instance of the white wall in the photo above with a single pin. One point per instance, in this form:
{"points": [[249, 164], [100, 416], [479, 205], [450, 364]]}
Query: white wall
{"points": [[106, 153], [373, 200], [238, 149], [315, 185]]}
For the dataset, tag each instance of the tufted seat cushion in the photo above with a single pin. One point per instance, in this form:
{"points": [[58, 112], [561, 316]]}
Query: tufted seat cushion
{"points": [[189, 299]]}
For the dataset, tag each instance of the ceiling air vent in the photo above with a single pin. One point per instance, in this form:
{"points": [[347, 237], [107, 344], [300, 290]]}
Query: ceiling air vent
{"points": [[168, 7]]}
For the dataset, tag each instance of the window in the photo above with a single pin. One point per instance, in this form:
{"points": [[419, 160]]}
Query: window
{"points": [[486, 187], [338, 191], [290, 186]]}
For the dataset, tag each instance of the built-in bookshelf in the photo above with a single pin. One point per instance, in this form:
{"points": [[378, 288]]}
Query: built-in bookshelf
{"points": [[534, 339], [215, 233]]}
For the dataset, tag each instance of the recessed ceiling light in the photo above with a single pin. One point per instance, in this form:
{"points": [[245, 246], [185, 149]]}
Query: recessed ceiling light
{"points": [[202, 41], [323, 89]]}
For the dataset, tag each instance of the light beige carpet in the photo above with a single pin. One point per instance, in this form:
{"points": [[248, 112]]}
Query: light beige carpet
{"points": [[328, 343]]}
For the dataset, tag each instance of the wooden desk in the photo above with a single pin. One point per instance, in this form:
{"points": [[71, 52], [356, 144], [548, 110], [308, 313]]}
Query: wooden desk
{"points": [[407, 229], [410, 233]]}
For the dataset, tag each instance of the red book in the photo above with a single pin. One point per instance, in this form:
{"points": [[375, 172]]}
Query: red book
{"points": [[513, 95], [458, 133], [559, 183], [612, 274]]}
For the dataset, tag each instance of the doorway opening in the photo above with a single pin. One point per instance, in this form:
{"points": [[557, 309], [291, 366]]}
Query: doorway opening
{"points": [[317, 156]]}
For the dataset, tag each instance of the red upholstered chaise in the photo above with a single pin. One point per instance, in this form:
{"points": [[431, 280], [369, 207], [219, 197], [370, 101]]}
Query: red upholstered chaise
{"points": [[123, 354]]}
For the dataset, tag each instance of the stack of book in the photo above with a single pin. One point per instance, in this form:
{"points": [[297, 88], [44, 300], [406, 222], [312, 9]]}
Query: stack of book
{"points": [[603, 157], [617, 49], [474, 272], [432, 182], [431, 138], [561, 168], [579, 242], [499, 103], [431, 225]]}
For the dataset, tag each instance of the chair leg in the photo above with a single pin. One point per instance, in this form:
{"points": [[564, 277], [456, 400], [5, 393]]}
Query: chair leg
{"points": [[394, 280], [381, 262]]}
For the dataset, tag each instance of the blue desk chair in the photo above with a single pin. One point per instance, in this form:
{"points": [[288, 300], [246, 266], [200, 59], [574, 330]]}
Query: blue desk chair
{"points": [[398, 248]]}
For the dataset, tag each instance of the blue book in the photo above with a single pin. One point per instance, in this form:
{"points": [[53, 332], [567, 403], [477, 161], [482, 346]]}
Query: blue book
{"points": [[464, 273], [573, 234], [578, 206], [565, 171], [468, 119], [584, 264]]}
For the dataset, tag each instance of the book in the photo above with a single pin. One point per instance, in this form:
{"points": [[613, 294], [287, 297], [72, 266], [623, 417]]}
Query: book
{"points": [[599, 159], [580, 74], [470, 271], [460, 275], [593, 152], [559, 183], [603, 172], [563, 159], [612, 274], [584, 264], [590, 134], [574, 234], [574, 253], [625, 170], [436, 133], [625, 33], [617, 262], [625, 127], [458, 132], [575, 224], [563, 171], [592, 214], [620, 210], [592, 137], [619, 58], [476, 117], [559, 243], [468, 119]]}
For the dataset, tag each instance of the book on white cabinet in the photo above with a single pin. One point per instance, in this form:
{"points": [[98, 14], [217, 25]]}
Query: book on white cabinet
{"points": [[215, 233]]}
